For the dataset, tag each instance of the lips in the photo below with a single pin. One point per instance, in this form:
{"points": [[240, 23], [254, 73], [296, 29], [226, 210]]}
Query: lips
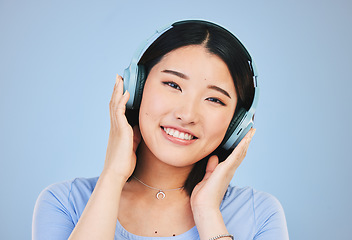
{"points": [[178, 134]]}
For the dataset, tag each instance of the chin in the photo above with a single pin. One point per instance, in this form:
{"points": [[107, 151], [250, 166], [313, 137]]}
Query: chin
{"points": [[179, 158]]}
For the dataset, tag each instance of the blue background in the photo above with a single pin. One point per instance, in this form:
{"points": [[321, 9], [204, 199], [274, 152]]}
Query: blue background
{"points": [[58, 61]]}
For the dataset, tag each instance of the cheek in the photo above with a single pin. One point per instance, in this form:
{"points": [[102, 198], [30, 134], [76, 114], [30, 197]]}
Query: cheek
{"points": [[153, 107], [217, 125]]}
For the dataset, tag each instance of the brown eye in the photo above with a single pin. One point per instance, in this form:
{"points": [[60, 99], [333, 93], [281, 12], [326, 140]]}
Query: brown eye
{"points": [[173, 85], [216, 100]]}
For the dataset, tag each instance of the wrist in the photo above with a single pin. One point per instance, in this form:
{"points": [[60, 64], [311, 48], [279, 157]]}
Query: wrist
{"points": [[111, 176], [209, 223], [206, 214], [206, 210]]}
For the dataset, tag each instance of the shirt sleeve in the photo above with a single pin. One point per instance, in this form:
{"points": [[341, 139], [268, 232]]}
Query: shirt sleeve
{"points": [[51, 217], [270, 218]]}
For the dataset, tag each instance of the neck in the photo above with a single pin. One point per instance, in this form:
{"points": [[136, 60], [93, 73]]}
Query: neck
{"points": [[157, 173]]}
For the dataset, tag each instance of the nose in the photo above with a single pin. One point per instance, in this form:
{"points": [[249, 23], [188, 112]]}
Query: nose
{"points": [[187, 111]]}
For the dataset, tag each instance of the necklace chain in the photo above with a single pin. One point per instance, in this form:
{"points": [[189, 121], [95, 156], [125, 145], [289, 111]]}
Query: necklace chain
{"points": [[161, 193]]}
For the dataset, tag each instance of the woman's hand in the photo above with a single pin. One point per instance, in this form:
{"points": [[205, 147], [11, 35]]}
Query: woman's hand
{"points": [[98, 220], [123, 140], [209, 193]]}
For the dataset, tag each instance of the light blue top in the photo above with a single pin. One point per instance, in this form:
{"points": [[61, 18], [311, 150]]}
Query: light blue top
{"points": [[248, 214]]}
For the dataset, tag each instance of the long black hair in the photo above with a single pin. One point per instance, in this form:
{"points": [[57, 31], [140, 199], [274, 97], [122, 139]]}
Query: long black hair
{"points": [[218, 41]]}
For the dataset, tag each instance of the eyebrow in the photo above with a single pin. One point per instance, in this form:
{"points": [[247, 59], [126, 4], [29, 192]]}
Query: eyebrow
{"points": [[178, 74], [216, 88], [184, 76]]}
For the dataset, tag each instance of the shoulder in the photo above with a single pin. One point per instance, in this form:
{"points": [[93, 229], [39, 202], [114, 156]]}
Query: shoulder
{"points": [[69, 196], [257, 200], [75, 187], [259, 212], [59, 206]]}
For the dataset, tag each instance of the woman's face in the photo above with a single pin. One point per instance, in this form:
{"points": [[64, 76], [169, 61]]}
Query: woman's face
{"points": [[188, 101]]}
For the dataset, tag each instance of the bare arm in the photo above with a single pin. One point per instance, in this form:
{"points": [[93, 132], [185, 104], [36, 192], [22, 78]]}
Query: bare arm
{"points": [[208, 194], [98, 220]]}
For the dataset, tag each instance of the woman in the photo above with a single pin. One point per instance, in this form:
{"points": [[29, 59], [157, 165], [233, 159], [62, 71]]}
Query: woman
{"points": [[168, 176]]}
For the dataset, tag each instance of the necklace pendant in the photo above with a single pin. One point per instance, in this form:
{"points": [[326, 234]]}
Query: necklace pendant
{"points": [[160, 195]]}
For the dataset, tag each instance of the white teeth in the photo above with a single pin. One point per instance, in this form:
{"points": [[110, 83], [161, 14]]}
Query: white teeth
{"points": [[177, 134], [187, 136]]}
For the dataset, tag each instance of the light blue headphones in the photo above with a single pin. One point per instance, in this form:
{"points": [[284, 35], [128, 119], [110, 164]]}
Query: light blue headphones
{"points": [[135, 76]]}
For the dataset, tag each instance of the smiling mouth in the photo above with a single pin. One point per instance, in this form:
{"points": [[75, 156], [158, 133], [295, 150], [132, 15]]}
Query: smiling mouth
{"points": [[177, 134]]}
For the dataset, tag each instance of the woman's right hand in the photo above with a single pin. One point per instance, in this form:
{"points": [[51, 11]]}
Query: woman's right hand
{"points": [[123, 140]]}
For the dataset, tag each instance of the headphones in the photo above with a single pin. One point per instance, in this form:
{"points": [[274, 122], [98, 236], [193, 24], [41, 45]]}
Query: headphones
{"points": [[134, 78]]}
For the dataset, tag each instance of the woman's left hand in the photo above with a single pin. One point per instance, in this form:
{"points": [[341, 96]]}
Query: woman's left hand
{"points": [[208, 194]]}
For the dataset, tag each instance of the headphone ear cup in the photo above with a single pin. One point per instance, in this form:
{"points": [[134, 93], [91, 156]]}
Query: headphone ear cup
{"points": [[236, 120], [141, 77]]}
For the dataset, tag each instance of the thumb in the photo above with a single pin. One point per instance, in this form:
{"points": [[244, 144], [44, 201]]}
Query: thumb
{"points": [[211, 165], [136, 137]]}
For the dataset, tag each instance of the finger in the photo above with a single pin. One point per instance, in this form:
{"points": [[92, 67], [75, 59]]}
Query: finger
{"points": [[119, 86], [121, 107], [238, 154], [243, 145], [118, 104], [136, 137], [117, 112], [211, 165], [115, 98]]}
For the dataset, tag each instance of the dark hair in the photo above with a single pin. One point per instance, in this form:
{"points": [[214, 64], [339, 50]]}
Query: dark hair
{"points": [[218, 41]]}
